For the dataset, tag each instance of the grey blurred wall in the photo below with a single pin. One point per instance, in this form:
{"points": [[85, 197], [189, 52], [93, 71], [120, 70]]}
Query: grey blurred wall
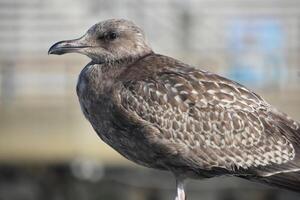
{"points": [[49, 151]]}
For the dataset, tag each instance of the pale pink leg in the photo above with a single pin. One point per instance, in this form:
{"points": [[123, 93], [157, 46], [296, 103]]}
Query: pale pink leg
{"points": [[180, 189]]}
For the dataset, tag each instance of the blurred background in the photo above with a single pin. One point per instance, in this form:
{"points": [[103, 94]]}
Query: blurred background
{"points": [[49, 151]]}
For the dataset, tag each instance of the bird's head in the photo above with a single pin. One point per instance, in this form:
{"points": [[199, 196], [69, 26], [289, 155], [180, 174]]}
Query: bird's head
{"points": [[107, 41]]}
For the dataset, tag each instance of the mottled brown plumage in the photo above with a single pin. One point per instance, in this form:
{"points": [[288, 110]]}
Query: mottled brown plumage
{"points": [[162, 113]]}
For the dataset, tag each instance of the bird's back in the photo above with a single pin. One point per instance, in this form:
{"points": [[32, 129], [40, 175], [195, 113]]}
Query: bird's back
{"points": [[198, 120]]}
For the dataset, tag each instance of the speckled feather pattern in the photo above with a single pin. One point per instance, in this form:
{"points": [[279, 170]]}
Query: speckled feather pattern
{"points": [[207, 120]]}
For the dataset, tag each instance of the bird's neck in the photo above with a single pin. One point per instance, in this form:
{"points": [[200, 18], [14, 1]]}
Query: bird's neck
{"points": [[114, 68], [103, 76]]}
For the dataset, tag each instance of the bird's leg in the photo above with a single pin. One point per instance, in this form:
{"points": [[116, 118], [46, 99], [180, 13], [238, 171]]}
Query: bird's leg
{"points": [[180, 189]]}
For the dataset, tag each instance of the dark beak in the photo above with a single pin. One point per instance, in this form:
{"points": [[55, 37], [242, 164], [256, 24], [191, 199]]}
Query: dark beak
{"points": [[68, 46]]}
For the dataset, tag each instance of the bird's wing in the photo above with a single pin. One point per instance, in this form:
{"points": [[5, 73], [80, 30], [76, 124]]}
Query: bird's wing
{"points": [[208, 121]]}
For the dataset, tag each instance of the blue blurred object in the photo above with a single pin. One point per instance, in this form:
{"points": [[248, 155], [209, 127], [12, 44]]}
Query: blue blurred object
{"points": [[256, 47]]}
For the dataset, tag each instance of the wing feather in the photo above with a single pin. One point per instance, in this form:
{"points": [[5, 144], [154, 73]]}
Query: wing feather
{"points": [[208, 121]]}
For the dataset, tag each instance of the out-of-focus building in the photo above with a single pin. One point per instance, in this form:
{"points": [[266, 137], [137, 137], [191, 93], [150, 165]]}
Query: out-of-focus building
{"points": [[254, 42]]}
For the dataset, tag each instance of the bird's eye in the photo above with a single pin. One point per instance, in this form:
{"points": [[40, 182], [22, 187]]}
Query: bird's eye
{"points": [[111, 36]]}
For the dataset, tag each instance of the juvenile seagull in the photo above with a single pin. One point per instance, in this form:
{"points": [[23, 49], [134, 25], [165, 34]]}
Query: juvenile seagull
{"points": [[162, 113]]}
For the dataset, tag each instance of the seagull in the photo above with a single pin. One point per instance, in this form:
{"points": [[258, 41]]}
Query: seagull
{"points": [[162, 113]]}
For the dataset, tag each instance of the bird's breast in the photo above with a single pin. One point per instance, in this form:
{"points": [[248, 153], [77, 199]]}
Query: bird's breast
{"points": [[97, 108], [94, 94]]}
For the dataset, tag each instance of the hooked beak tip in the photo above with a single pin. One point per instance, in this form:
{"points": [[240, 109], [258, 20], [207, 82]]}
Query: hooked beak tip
{"points": [[58, 48], [50, 51], [67, 46]]}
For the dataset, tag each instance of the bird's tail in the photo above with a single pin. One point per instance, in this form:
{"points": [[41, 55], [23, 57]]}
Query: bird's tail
{"points": [[289, 180], [286, 175]]}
